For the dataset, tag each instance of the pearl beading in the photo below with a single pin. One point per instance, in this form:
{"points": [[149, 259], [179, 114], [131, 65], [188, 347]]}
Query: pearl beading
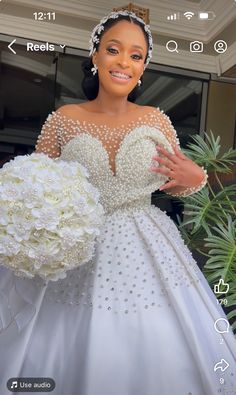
{"points": [[59, 130], [191, 190], [140, 255], [120, 279], [118, 159]]}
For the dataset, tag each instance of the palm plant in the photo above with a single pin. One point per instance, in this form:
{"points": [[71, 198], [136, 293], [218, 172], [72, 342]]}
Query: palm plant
{"points": [[210, 223]]}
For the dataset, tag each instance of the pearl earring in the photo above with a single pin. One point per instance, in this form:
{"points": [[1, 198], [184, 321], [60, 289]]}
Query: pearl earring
{"points": [[94, 69], [139, 82]]}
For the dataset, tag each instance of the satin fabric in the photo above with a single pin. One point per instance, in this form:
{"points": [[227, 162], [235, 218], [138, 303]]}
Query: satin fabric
{"points": [[158, 339]]}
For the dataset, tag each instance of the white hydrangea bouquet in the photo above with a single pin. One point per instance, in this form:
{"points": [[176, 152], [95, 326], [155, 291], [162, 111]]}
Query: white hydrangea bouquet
{"points": [[50, 216]]}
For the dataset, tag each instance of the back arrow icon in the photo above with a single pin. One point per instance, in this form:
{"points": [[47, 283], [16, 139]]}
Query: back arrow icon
{"points": [[9, 46]]}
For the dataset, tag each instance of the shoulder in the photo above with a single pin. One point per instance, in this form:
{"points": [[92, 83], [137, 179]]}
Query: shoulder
{"points": [[148, 108], [160, 114], [160, 118], [155, 110], [67, 112], [68, 109], [156, 113], [141, 108]]}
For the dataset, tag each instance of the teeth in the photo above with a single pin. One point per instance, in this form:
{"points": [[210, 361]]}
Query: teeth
{"points": [[121, 75]]}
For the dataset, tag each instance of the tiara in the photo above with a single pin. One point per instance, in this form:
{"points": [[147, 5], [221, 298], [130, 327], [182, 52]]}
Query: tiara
{"points": [[95, 39]]}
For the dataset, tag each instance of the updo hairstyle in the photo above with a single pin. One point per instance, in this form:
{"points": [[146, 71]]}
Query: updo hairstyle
{"points": [[90, 82]]}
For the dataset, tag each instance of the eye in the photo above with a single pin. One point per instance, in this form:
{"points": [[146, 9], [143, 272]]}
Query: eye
{"points": [[111, 50], [138, 57], [114, 51]]}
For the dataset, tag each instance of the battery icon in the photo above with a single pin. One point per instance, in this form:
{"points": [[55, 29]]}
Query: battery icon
{"points": [[206, 15]]}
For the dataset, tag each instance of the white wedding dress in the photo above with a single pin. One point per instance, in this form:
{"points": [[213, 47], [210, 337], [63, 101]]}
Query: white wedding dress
{"points": [[139, 318]]}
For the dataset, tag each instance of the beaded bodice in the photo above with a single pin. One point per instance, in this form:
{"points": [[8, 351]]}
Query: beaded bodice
{"points": [[118, 159]]}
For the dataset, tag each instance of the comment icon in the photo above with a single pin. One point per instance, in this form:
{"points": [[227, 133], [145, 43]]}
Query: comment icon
{"points": [[221, 325]]}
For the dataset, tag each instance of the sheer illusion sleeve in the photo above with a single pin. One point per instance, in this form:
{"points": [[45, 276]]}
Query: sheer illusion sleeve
{"points": [[167, 128], [48, 141], [171, 135]]}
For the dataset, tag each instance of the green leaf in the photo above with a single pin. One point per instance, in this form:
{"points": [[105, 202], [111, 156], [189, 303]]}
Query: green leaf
{"points": [[206, 153], [209, 223]]}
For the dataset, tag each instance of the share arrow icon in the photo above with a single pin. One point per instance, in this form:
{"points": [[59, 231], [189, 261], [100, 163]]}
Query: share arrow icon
{"points": [[222, 365]]}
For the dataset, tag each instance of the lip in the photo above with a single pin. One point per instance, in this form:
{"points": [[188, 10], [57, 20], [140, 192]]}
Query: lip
{"points": [[121, 72], [120, 80]]}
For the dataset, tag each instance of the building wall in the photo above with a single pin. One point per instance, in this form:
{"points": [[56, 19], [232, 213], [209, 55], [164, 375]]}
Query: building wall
{"points": [[221, 112]]}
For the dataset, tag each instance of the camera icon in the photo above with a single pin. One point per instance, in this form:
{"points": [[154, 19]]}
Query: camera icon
{"points": [[196, 46]]}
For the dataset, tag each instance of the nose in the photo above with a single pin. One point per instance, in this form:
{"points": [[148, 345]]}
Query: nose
{"points": [[123, 60]]}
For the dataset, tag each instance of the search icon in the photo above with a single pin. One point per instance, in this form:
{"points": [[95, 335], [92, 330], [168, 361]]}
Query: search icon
{"points": [[172, 46]]}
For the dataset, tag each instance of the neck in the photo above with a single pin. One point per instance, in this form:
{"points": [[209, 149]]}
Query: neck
{"points": [[111, 105]]}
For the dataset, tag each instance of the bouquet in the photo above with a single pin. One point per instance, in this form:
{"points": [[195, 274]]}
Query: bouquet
{"points": [[50, 216]]}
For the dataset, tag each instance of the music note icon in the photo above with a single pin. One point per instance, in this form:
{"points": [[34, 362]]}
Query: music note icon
{"points": [[14, 384]]}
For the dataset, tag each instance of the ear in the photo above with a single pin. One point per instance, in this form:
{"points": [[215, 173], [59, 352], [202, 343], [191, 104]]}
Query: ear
{"points": [[94, 58]]}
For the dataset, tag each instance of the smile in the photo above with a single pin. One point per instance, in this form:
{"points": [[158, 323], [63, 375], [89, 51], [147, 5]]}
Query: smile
{"points": [[120, 76]]}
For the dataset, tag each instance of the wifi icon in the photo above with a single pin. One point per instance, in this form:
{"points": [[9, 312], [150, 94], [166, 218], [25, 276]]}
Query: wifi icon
{"points": [[189, 14]]}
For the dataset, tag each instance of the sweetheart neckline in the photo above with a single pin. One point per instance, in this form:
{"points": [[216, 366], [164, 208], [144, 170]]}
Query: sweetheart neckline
{"points": [[114, 174], [99, 141]]}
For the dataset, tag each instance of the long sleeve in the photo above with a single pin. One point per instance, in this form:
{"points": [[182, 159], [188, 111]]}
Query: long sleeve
{"points": [[171, 135], [48, 142]]}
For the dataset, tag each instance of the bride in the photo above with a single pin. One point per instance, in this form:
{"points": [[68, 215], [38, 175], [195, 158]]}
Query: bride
{"points": [[138, 319]]}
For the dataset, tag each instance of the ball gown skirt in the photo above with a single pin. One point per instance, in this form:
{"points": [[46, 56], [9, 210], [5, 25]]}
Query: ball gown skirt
{"points": [[138, 319]]}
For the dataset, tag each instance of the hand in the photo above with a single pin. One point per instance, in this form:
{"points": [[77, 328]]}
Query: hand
{"points": [[181, 170]]}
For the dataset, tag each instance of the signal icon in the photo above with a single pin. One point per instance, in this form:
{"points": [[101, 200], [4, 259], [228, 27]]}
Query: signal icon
{"points": [[173, 17], [189, 14]]}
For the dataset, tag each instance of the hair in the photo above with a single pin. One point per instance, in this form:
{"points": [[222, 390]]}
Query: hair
{"points": [[90, 82]]}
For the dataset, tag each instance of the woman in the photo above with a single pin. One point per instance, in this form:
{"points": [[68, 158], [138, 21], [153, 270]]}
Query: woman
{"points": [[139, 318]]}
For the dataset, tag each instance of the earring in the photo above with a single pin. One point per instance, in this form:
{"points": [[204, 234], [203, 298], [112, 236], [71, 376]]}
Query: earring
{"points": [[94, 69], [139, 82]]}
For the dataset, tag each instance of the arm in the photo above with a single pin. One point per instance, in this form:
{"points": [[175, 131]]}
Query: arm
{"points": [[186, 177], [48, 141], [199, 182]]}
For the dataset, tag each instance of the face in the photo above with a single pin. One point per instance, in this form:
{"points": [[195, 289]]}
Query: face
{"points": [[120, 58]]}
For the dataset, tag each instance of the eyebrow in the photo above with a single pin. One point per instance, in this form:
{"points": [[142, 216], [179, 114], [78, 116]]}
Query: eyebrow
{"points": [[119, 42]]}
